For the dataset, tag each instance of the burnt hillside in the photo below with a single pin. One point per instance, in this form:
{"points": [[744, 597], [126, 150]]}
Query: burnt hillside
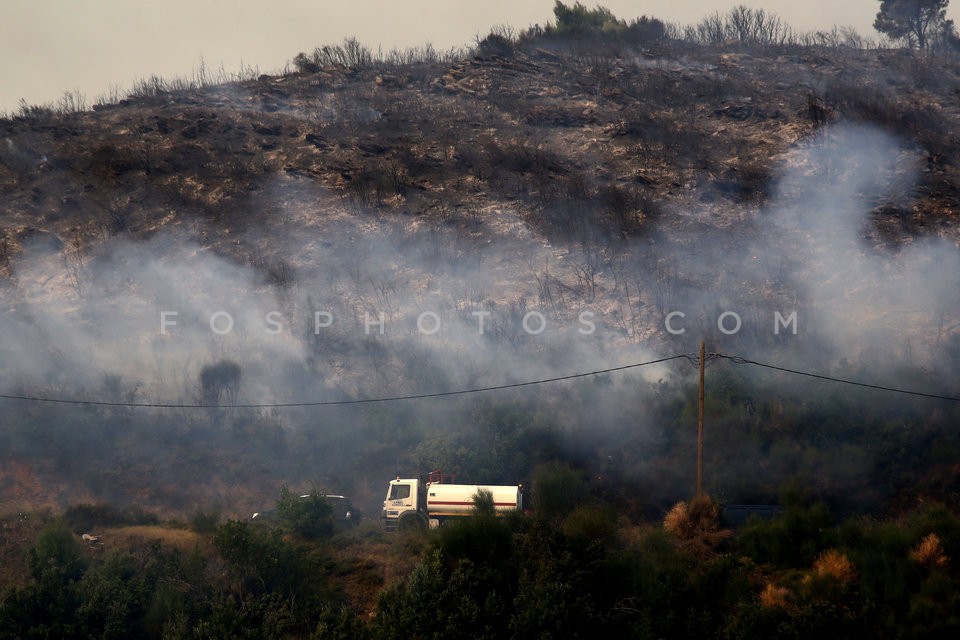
{"points": [[624, 134], [626, 180]]}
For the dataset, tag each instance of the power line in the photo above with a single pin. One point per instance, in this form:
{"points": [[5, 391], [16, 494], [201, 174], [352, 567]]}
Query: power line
{"points": [[321, 403], [693, 359], [739, 360]]}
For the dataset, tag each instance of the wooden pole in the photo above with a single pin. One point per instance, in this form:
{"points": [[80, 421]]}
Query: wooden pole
{"points": [[703, 361]]}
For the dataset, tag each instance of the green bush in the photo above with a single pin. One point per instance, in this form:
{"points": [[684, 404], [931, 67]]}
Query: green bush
{"points": [[558, 489], [203, 521], [552, 601], [262, 561], [310, 516], [481, 538], [591, 523], [467, 602], [792, 540], [56, 554]]}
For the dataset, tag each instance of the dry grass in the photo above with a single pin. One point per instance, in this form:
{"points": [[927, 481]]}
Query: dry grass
{"points": [[929, 553], [831, 577], [696, 524], [130, 538], [686, 520], [836, 565], [677, 522], [367, 561], [774, 597]]}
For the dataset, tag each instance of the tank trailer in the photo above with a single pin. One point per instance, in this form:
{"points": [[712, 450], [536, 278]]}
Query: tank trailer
{"points": [[412, 503]]}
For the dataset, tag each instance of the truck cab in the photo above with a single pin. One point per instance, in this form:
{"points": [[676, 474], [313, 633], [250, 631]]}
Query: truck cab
{"points": [[403, 506]]}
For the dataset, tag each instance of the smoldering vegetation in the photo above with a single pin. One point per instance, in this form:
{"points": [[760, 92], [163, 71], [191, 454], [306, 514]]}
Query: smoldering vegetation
{"points": [[592, 194]]}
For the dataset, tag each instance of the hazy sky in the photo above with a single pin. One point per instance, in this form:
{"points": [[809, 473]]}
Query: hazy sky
{"points": [[49, 46]]}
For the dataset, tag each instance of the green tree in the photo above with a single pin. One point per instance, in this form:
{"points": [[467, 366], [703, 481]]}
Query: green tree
{"points": [[911, 20], [578, 18]]}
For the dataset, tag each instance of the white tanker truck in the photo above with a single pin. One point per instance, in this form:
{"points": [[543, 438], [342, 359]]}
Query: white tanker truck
{"points": [[413, 503]]}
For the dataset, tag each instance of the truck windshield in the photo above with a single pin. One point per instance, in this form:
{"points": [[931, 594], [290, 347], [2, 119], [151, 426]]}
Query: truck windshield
{"points": [[399, 492]]}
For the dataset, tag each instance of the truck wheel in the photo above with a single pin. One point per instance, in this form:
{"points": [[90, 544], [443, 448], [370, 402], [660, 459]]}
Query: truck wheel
{"points": [[411, 522]]}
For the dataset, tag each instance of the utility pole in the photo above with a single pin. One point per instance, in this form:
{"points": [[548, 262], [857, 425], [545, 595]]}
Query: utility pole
{"points": [[703, 362]]}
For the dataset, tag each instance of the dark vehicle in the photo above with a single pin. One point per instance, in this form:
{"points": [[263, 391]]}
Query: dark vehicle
{"points": [[343, 510], [343, 515], [737, 515]]}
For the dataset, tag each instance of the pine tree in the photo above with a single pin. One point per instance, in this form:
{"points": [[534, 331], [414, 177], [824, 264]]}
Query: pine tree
{"points": [[911, 20]]}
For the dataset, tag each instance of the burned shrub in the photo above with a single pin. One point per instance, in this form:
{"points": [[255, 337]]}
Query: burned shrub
{"points": [[495, 45], [219, 379], [922, 122], [305, 64]]}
